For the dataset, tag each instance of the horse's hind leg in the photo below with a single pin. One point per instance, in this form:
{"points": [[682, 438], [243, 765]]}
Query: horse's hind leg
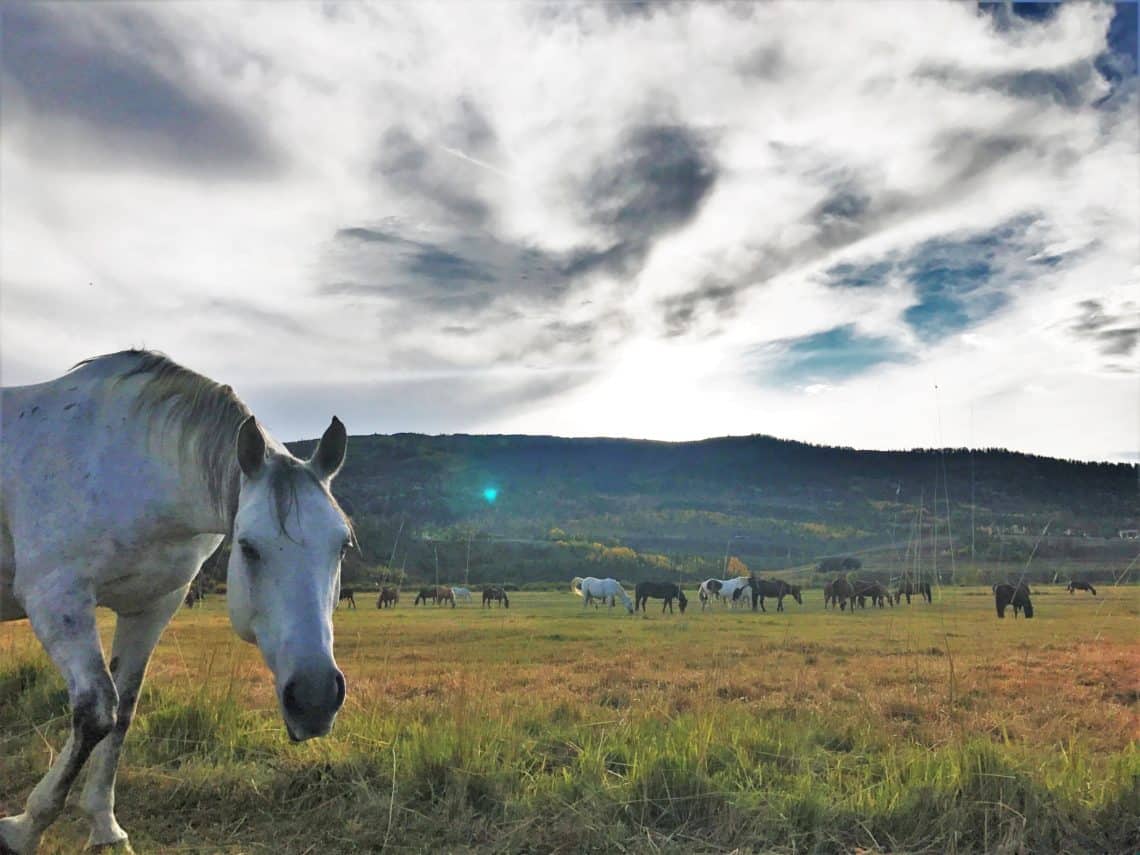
{"points": [[64, 622], [135, 638]]}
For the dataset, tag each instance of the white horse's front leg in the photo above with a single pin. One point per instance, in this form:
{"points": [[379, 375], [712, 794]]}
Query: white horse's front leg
{"points": [[64, 621], [135, 638]]}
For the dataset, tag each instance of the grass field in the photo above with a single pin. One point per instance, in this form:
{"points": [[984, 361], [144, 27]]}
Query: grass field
{"points": [[542, 728]]}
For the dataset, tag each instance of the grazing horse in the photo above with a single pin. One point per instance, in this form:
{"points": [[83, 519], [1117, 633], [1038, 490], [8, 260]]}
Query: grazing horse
{"points": [[1018, 597], [495, 594], [776, 588], [842, 592], [436, 593], [347, 594], [461, 593], [709, 590], [876, 592], [666, 591], [731, 590], [117, 481], [590, 589], [388, 598], [1076, 585], [907, 587]]}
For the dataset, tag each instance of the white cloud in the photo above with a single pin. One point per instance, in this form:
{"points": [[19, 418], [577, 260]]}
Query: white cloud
{"points": [[474, 137]]}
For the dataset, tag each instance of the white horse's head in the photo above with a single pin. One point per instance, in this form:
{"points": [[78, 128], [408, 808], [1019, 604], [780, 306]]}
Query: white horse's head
{"points": [[284, 572]]}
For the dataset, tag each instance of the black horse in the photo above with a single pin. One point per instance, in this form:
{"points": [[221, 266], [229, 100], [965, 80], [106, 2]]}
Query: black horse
{"points": [[1076, 585], [907, 587], [667, 591], [495, 594], [775, 588], [1007, 595], [347, 594]]}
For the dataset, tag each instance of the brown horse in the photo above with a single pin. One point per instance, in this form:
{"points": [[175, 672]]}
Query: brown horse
{"points": [[1007, 595], [841, 592], [388, 598], [907, 587], [876, 592], [495, 594], [775, 588], [437, 594]]}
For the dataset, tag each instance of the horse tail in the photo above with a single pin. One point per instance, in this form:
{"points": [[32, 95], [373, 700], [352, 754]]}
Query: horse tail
{"points": [[576, 585]]}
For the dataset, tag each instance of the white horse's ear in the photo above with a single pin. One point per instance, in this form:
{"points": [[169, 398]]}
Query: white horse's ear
{"points": [[250, 448], [329, 456]]}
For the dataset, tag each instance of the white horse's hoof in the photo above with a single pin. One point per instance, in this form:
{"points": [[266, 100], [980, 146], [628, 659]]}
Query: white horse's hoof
{"points": [[107, 835], [16, 837], [121, 846]]}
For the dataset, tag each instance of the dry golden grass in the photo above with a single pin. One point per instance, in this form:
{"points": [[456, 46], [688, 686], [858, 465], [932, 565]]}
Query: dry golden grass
{"points": [[541, 727]]}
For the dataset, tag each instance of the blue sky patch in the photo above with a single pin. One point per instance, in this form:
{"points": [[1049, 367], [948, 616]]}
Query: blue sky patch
{"points": [[836, 354]]}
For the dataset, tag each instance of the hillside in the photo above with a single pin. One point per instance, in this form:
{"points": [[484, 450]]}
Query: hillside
{"points": [[522, 508]]}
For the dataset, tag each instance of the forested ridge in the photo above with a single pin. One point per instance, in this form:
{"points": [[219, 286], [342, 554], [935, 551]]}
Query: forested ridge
{"points": [[524, 508]]}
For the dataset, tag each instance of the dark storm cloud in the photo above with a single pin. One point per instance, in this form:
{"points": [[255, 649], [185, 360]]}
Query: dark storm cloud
{"points": [[1113, 335], [652, 184], [682, 311], [58, 66]]}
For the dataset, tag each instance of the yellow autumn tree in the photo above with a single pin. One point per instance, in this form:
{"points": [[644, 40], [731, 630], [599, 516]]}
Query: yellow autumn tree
{"points": [[736, 567]]}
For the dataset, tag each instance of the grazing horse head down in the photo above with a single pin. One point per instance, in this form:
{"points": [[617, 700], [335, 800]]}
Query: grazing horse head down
{"points": [[1006, 595]]}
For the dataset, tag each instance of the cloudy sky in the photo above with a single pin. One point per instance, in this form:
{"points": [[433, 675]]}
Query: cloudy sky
{"points": [[872, 224]]}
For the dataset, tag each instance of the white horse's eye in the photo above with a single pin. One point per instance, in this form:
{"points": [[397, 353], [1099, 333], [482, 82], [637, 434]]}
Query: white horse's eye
{"points": [[249, 552]]}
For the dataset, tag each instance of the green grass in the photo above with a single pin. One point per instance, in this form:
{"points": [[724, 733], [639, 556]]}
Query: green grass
{"points": [[542, 728]]}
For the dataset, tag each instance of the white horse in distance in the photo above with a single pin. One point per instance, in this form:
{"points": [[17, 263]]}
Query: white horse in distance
{"points": [[589, 589], [461, 593], [117, 481]]}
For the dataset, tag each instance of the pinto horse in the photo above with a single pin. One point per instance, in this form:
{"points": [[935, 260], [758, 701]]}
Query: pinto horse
{"points": [[1076, 585], [133, 449], [590, 589], [388, 598], [665, 591], [1018, 597], [775, 588], [495, 594], [709, 590]]}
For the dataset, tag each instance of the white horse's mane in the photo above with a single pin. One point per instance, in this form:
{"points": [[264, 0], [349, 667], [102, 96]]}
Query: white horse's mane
{"points": [[207, 415]]}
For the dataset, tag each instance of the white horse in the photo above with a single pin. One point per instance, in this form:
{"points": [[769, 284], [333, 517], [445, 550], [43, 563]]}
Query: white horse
{"points": [[461, 593], [589, 588], [116, 482]]}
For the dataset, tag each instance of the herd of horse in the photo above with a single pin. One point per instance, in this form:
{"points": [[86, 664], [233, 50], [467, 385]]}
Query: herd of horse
{"points": [[438, 595]]}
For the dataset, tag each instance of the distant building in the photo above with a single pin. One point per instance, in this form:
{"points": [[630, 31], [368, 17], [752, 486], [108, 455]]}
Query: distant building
{"points": [[1129, 534]]}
